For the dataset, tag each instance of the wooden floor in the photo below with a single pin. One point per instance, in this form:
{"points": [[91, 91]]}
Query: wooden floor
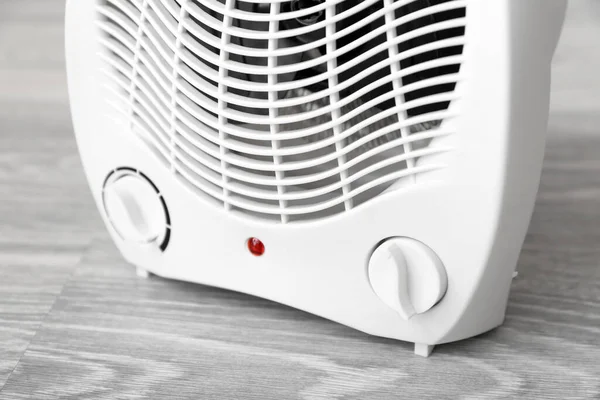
{"points": [[76, 323]]}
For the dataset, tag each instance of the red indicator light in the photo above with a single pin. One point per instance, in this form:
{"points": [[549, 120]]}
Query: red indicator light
{"points": [[256, 247]]}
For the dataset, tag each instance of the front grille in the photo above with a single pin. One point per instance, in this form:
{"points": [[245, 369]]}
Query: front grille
{"points": [[282, 112]]}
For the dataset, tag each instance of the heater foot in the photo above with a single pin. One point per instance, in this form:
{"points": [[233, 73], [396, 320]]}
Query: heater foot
{"points": [[142, 273], [423, 350]]}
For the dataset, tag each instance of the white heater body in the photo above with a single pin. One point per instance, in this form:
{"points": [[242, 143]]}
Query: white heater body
{"points": [[410, 230]]}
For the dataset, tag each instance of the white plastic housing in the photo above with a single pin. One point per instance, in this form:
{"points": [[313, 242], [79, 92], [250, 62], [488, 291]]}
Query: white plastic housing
{"points": [[473, 213]]}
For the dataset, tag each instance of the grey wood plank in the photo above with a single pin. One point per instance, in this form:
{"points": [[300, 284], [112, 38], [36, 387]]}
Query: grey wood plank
{"points": [[111, 335], [44, 206], [32, 64], [98, 332], [25, 52], [576, 81], [28, 289], [32, 11]]}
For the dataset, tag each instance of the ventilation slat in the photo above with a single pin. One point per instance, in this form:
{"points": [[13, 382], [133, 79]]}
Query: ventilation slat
{"points": [[201, 100], [233, 159], [250, 16], [188, 73], [200, 51], [259, 207], [336, 114], [275, 195], [129, 9], [149, 100], [141, 110], [144, 124], [397, 81], [221, 105], [281, 113], [233, 48], [304, 148], [211, 74], [230, 146], [274, 111], [174, 89], [154, 64]]}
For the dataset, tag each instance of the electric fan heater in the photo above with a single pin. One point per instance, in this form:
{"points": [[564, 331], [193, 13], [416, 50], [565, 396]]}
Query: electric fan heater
{"points": [[374, 162]]}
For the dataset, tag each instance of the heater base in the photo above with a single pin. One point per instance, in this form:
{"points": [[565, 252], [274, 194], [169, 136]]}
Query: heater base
{"points": [[142, 273], [423, 350]]}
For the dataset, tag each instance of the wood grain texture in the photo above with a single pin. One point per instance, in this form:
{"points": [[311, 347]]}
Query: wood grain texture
{"points": [[75, 321], [44, 207], [112, 335]]}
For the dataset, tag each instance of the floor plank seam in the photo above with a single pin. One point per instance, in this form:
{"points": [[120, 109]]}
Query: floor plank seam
{"points": [[84, 252]]}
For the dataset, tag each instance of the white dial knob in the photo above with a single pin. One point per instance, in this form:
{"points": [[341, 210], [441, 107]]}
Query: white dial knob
{"points": [[408, 276], [134, 209]]}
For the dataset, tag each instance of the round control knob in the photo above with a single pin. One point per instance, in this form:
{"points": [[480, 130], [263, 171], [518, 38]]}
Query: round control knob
{"points": [[408, 276], [134, 209]]}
